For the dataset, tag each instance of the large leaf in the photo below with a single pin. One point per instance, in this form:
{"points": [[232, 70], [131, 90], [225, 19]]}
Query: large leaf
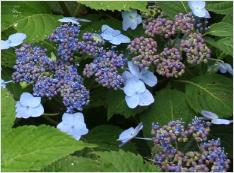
{"points": [[7, 111], [210, 92], [37, 27], [30, 148], [170, 105], [173, 8], [224, 7], [8, 58], [74, 164], [115, 5], [224, 44], [220, 29], [120, 161], [12, 12], [105, 136]]}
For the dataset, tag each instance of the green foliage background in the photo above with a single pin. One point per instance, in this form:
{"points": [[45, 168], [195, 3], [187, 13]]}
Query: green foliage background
{"points": [[36, 145]]}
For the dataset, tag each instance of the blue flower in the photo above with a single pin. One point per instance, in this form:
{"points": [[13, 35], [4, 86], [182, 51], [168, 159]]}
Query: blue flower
{"points": [[131, 19], [73, 20], [129, 134], [113, 36], [134, 87], [215, 118], [225, 67], [73, 124], [13, 40], [198, 8], [140, 73], [29, 106]]}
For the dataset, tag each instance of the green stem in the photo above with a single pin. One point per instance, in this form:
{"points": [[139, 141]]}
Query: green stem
{"points": [[50, 120], [50, 114], [216, 60]]}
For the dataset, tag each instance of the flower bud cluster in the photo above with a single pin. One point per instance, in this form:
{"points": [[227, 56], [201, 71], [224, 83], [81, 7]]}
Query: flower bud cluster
{"points": [[105, 69], [201, 25], [160, 26], [209, 157], [144, 48], [168, 63], [31, 63], [195, 49], [66, 38], [184, 22], [92, 44]]}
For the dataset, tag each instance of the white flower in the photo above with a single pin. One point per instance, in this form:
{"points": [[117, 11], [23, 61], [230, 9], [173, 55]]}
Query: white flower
{"points": [[113, 36], [198, 8], [131, 19], [72, 20], [215, 118], [13, 40], [29, 106], [129, 134], [73, 124]]}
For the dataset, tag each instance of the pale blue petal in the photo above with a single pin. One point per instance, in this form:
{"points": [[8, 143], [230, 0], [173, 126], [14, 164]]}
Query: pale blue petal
{"points": [[83, 20], [69, 20], [5, 44], [228, 67], [139, 19], [132, 101], [134, 86], [222, 68], [125, 24], [36, 112], [115, 41], [196, 5], [148, 77], [123, 38], [146, 98], [78, 117], [126, 134], [64, 127], [133, 23], [127, 76], [68, 119], [138, 128], [134, 69], [27, 99], [207, 15], [3, 84], [106, 28], [200, 12], [16, 39], [209, 115], [106, 36], [221, 121]]}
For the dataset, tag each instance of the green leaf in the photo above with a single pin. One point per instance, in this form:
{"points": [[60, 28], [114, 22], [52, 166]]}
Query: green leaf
{"points": [[30, 148], [169, 105], [116, 104], [8, 58], [220, 7], [105, 136], [12, 12], [7, 111], [228, 19], [120, 161], [210, 92], [115, 5], [220, 29], [74, 164], [224, 44], [37, 27], [171, 9]]}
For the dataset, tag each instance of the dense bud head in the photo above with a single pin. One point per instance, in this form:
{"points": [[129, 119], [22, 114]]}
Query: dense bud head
{"points": [[184, 22]]}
